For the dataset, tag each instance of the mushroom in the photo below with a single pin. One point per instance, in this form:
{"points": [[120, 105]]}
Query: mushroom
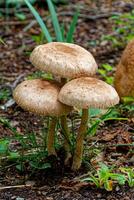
{"points": [[86, 92], [40, 97], [67, 61], [63, 59], [124, 76]]}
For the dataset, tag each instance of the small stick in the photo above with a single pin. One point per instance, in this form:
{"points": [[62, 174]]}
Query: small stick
{"points": [[14, 186]]}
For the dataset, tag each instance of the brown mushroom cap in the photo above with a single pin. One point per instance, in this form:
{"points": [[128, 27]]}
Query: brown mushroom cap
{"points": [[124, 76], [64, 59], [88, 92], [40, 97]]}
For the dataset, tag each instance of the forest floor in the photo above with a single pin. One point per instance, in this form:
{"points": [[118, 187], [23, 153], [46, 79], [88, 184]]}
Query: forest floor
{"points": [[61, 183]]}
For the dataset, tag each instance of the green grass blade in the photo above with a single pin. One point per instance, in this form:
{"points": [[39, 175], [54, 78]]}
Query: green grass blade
{"points": [[40, 21], [63, 32], [2, 41], [55, 21], [72, 28]]}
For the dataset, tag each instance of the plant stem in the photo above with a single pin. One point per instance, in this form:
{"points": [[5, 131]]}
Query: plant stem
{"points": [[67, 138], [51, 137], [77, 159], [66, 132]]}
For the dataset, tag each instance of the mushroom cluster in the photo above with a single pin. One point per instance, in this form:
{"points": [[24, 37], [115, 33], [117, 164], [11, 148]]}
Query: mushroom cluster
{"points": [[77, 88]]}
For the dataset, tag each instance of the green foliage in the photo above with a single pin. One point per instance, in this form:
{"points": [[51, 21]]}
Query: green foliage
{"points": [[60, 1], [130, 175], [14, 4], [40, 74], [104, 72], [71, 31], [38, 38], [4, 94], [4, 146], [2, 41], [40, 21], [123, 29], [5, 122], [105, 177], [127, 100], [18, 2], [20, 16], [30, 149], [55, 21], [58, 29], [111, 114]]}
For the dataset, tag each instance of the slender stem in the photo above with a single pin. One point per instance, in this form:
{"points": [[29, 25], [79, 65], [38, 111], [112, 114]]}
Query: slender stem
{"points": [[67, 138], [51, 137], [66, 132], [77, 159]]}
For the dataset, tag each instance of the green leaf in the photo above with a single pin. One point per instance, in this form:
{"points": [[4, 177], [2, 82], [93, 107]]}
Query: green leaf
{"points": [[14, 155], [92, 179], [20, 16], [40, 21], [118, 177], [128, 100], [108, 185], [72, 27], [2, 41], [37, 165], [19, 2], [107, 67], [63, 31], [4, 146], [102, 72], [93, 112], [55, 21], [20, 167]]}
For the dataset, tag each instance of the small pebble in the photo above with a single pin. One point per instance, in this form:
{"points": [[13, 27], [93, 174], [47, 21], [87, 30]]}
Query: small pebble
{"points": [[117, 188], [19, 198], [99, 195], [49, 198]]}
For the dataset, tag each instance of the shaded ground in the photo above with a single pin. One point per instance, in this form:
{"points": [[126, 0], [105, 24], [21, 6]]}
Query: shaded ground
{"points": [[14, 61]]}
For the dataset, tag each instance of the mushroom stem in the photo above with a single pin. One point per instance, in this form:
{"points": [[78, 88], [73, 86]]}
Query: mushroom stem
{"points": [[51, 137], [77, 159], [66, 132], [67, 138]]}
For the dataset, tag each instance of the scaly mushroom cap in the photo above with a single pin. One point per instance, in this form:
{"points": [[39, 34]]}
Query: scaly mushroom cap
{"points": [[40, 97], [63, 59], [88, 92]]}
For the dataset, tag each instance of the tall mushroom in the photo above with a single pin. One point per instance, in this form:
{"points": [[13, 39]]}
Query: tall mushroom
{"points": [[40, 97], [86, 92], [64, 60]]}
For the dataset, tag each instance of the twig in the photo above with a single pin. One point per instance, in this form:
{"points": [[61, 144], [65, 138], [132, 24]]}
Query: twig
{"points": [[90, 17], [11, 87], [14, 84], [84, 16], [14, 186], [8, 104], [18, 79], [14, 23]]}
